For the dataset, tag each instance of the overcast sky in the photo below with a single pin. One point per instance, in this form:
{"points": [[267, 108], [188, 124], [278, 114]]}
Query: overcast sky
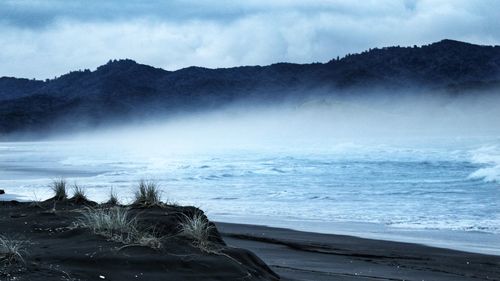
{"points": [[43, 39]]}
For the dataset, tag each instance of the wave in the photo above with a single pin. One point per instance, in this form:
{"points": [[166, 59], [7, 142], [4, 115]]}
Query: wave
{"points": [[467, 226], [489, 158], [225, 198]]}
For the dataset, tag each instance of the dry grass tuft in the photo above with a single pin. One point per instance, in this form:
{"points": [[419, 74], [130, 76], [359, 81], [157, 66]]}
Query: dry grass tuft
{"points": [[59, 189], [199, 229], [148, 194], [116, 224], [147, 239], [36, 201], [11, 250], [79, 193], [113, 198]]}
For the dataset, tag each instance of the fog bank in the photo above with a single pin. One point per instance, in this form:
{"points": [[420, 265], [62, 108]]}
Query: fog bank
{"points": [[313, 122]]}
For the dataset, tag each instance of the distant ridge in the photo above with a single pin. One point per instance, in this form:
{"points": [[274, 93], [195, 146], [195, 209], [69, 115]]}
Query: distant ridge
{"points": [[124, 90]]}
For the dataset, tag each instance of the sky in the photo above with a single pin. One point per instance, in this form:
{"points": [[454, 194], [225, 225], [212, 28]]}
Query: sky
{"points": [[44, 39]]}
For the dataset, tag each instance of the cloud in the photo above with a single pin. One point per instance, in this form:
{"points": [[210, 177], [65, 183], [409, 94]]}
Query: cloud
{"points": [[44, 39]]}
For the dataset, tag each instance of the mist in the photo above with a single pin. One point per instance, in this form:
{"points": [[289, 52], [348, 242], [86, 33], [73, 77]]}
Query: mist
{"points": [[315, 122]]}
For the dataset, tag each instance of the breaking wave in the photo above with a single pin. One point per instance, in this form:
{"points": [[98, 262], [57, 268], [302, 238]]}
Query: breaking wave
{"points": [[489, 158]]}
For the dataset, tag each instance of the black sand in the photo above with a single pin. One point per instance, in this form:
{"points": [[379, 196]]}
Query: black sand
{"points": [[56, 251], [296, 255]]}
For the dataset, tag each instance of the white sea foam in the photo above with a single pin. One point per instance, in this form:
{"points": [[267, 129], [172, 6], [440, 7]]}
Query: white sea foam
{"points": [[403, 185], [489, 156]]}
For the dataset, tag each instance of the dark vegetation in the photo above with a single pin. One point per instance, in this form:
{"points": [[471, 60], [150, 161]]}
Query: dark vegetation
{"points": [[148, 194], [59, 187], [123, 90]]}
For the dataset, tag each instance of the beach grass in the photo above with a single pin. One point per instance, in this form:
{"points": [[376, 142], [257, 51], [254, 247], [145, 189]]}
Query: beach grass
{"points": [[148, 194], [118, 225], [113, 198], [59, 187], [114, 223], [11, 250], [198, 228], [79, 193]]}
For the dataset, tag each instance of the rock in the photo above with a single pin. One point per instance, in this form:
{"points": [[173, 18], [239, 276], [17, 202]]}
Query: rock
{"points": [[2, 191]]}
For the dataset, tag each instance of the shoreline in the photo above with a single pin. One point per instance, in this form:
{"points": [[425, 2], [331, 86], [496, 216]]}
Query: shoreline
{"points": [[265, 251], [458, 240], [298, 255]]}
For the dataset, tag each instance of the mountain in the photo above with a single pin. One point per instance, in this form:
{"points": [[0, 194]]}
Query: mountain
{"points": [[123, 90]]}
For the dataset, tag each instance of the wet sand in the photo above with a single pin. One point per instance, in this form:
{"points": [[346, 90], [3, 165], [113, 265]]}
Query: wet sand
{"points": [[297, 255]]}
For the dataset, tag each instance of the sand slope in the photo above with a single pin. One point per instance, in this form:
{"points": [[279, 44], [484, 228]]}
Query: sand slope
{"points": [[56, 251]]}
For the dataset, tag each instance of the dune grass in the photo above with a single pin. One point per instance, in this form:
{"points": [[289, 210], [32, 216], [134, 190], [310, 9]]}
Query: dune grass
{"points": [[59, 188], [118, 225], [113, 198], [36, 201], [11, 250], [148, 194], [114, 223], [198, 228], [79, 193], [148, 239]]}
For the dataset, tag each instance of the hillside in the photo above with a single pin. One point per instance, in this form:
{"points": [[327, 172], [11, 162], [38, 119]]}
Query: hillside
{"points": [[124, 90]]}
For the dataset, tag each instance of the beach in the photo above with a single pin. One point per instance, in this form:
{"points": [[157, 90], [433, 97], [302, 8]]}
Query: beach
{"points": [[297, 255], [54, 248], [249, 140]]}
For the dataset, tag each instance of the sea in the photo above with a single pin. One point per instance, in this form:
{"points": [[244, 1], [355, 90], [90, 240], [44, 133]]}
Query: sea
{"points": [[442, 192]]}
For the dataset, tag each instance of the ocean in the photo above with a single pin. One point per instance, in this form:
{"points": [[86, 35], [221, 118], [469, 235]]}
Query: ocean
{"points": [[438, 191]]}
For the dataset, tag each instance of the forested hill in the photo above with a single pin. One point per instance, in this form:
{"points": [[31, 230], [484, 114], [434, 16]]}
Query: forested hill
{"points": [[124, 90]]}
